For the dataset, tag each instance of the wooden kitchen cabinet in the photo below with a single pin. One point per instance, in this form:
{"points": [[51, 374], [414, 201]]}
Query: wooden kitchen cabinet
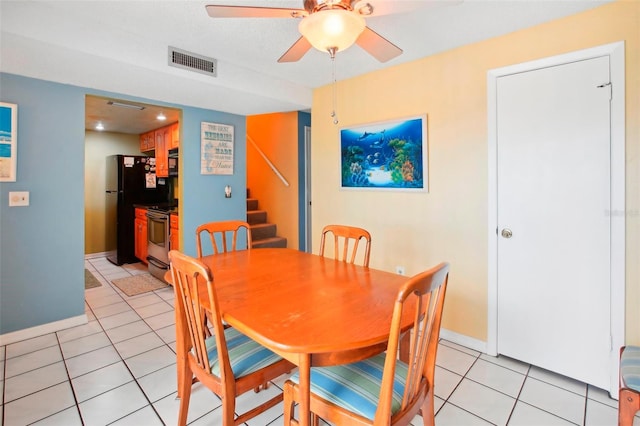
{"points": [[140, 243], [163, 137], [147, 141], [174, 234], [175, 135]]}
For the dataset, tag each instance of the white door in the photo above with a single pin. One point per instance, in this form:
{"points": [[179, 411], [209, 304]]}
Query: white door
{"points": [[553, 204]]}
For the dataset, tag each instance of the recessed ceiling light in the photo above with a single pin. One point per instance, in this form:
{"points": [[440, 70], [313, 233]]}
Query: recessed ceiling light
{"points": [[99, 126], [161, 117]]}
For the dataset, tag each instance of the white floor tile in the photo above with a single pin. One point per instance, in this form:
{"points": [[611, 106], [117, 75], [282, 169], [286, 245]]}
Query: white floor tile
{"points": [[601, 396], [91, 361], [157, 322], [553, 399], [510, 363], [85, 344], [97, 302], [31, 345], [160, 384], [39, 405], [167, 334], [202, 402], [144, 300], [450, 415], [600, 415], [68, 417], [30, 361], [146, 416], [113, 309], [497, 377], [558, 380], [153, 360], [73, 333], [154, 309], [100, 381], [445, 382], [119, 319], [113, 405], [461, 348], [34, 380], [454, 360], [127, 331], [484, 402], [138, 345], [527, 415]]}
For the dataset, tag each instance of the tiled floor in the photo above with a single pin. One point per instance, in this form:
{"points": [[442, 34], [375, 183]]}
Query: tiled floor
{"points": [[120, 369]]}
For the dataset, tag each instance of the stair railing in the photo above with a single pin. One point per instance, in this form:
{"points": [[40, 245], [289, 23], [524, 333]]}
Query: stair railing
{"points": [[275, 170]]}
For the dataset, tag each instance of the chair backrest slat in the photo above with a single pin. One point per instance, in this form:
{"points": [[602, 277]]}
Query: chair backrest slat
{"points": [[343, 235], [218, 232]]}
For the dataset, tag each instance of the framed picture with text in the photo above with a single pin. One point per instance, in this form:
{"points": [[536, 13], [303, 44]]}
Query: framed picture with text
{"points": [[216, 149], [8, 141]]}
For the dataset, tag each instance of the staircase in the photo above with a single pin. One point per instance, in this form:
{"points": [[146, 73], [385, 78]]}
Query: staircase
{"points": [[263, 234]]}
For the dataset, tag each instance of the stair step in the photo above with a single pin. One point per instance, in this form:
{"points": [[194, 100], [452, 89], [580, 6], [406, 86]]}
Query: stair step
{"points": [[252, 204], [273, 242], [256, 216], [261, 231]]}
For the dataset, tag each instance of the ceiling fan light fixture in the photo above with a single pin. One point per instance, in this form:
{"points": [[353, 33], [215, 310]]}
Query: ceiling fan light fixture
{"points": [[333, 28]]}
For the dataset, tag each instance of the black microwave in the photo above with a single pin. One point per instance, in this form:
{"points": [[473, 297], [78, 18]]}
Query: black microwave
{"points": [[173, 162]]}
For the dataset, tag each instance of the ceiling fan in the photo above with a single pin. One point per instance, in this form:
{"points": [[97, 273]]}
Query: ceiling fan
{"points": [[328, 25]]}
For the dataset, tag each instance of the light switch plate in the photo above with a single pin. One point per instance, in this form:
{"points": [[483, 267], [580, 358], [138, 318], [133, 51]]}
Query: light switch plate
{"points": [[18, 199]]}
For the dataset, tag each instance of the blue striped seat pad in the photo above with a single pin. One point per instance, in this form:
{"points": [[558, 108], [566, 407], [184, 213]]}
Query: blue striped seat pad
{"points": [[245, 355], [356, 387], [630, 367]]}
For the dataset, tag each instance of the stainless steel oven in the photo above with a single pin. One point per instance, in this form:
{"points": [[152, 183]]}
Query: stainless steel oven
{"points": [[158, 242]]}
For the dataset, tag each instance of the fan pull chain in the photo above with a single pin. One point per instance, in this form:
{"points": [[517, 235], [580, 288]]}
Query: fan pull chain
{"points": [[334, 115]]}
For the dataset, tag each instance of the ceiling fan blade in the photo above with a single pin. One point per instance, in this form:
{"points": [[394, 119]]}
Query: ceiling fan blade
{"points": [[381, 8], [216, 11], [297, 51], [377, 46]]}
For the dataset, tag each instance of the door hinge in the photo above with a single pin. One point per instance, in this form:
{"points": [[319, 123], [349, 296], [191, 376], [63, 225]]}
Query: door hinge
{"points": [[608, 87]]}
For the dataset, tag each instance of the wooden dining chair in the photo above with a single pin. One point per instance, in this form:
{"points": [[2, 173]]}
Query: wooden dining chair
{"points": [[629, 393], [228, 363], [383, 390], [343, 236], [221, 233]]}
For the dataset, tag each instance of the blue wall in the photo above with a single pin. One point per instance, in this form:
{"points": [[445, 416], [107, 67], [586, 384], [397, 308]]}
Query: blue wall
{"points": [[42, 246]]}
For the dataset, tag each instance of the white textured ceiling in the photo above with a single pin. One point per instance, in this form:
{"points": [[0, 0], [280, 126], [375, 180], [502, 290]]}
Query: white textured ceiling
{"points": [[121, 46]]}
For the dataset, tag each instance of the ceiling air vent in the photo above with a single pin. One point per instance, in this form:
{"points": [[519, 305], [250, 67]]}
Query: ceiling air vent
{"points": [[190, 61]]}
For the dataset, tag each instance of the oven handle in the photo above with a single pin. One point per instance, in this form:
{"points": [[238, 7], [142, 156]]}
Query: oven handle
{"points": [[157, 263], [158, 216]]}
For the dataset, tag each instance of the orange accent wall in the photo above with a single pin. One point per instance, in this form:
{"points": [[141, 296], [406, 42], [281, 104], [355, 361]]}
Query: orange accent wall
{"points": [[277, 137]]}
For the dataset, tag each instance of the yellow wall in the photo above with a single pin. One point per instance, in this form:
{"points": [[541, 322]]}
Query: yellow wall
{"points": [[99, 145], [418, 230], [277, 137]]}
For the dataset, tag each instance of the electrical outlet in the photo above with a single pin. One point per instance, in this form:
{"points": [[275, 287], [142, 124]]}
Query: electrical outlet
{"points": [[400, 270], [18, 199]]}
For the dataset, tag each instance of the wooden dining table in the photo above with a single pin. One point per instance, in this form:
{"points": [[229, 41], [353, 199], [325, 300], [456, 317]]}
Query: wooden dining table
{"points": [[311, 310]]}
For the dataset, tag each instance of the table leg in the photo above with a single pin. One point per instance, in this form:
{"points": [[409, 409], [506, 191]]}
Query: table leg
{"points": [[405, 343], [304, 370]]}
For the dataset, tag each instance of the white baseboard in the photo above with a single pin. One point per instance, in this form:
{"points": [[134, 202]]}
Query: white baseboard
{"points": [[100, 254], [52, 327], [466, 341]]}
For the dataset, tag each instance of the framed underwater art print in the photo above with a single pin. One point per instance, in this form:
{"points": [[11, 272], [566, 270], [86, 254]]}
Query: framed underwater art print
{"points": [[390, 155]]}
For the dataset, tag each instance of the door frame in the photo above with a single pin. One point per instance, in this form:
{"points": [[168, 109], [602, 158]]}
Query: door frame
{"points": [[615, 51]]}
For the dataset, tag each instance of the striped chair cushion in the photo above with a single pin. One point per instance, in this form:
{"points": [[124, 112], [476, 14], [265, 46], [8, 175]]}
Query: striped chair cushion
{"points": [[356, 387], [630, 367], [245, 355]]}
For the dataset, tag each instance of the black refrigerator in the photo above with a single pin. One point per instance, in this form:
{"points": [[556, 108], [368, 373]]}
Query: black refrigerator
{"points": [[131, 180]]}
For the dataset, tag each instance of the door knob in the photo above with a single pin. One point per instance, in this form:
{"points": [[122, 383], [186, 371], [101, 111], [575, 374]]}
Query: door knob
{"points": [[506, 233]]}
